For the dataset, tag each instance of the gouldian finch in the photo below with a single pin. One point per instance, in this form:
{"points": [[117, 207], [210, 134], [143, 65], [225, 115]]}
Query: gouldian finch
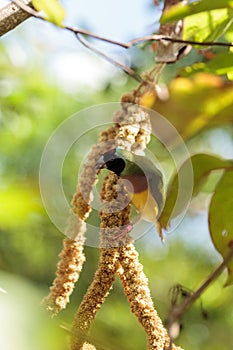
{"points": [[145, 185]]}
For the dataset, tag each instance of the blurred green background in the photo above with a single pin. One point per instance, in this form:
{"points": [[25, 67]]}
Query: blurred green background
{"points": [[34, 101]]}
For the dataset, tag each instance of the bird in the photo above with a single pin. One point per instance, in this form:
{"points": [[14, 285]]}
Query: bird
{"points": [[145, 183]]}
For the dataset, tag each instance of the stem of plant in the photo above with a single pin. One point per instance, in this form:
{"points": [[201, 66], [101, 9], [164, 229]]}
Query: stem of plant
{"points": [[177, 311]]}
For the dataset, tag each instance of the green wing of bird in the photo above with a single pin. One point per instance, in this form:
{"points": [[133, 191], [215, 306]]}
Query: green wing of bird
{"points": [[139, 165]]}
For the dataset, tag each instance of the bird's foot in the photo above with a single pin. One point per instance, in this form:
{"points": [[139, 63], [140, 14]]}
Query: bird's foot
{"points": [[128, 228], [124, 231]]}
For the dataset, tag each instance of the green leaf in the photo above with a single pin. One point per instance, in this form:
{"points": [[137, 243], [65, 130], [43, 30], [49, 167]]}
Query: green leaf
{"points": [[181, 11], [202, 166], [220, 65], [18, 205], [53, 10], [229, 33], [230, 72], [208, 26], [221, 219]]}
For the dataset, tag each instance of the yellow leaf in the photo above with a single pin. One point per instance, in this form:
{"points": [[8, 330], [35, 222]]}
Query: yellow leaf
{"points": [[196, 103], [53, 10]]}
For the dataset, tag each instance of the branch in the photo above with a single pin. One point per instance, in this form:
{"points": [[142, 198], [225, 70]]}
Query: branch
{"points": [[165, 54], [156, 37], [152, 37], [19, 10], [12, 15], [177, 312], [126, 69]]}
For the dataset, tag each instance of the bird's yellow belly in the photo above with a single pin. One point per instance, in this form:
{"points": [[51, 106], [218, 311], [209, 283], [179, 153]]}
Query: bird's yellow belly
{"points": [[145, 204]]}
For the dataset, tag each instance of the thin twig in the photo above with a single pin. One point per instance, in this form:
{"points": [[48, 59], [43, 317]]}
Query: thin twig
{"points": [[75, 30], [127, 45], [154, 37], [177, 311], [85, 43], [126, 69]]}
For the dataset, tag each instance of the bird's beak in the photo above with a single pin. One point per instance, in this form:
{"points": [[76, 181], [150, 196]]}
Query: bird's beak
{"points": [[100, 164]]}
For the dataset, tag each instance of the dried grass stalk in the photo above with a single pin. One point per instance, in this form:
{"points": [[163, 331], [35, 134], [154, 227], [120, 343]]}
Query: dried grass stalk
{"points": [[68, 270], [95, 296], [136, 288]]}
